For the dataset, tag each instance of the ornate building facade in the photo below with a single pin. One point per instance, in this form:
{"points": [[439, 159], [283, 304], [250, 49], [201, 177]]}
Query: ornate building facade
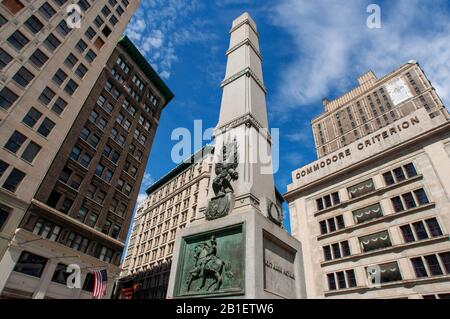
{"points": [[98, 112], [372, 211], [175, 201], [47, 71]]}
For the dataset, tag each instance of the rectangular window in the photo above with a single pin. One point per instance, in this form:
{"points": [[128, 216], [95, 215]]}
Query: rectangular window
{"points": [[86, 160], [408, 235], [46, 127], [14, 6], [433, 227], [81, 46], [13, 181], [15, 142], [90, 33], [7, 98], [3, 167], [30, 264], [419, 267], [70, 61], [52, 42], [420, 230], [81, 71], [445, 258], [90, 56], [59, 106], [375, 241], [397, 203], [5, 211], [388, 272], [421, 197], [23, 77], [18, 40], [31, 152], [39, 58], [433, 265], [409, 200], [34, 24], [410, 170], [327, 253], [367, 213], [59, 77], [5, 59], [47, 11], [60, 275], [46, 96], [63, 29], [361, 189], [71, 87]]}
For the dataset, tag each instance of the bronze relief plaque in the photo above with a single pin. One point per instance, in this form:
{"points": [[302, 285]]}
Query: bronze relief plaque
{"points": [[212, 264]]}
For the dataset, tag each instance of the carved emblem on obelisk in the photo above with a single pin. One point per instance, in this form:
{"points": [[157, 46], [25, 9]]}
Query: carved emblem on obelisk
{"points": [[225, 170]]}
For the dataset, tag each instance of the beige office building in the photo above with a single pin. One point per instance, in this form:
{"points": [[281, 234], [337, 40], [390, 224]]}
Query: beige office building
{"points": [[175, 201], [372, 212], [47, 71]]}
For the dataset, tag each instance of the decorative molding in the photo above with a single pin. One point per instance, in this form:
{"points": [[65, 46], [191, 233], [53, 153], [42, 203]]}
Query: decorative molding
{"points": [[249, 73], [246, 21], [247, 119], [245, 42]]}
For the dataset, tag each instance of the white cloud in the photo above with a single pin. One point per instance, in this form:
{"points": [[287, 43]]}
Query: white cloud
{"points": [[333, 45], [140, 199], [160, 26]]}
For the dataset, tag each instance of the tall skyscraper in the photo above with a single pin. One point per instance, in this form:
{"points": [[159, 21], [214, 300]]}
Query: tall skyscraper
{"points": [[81, 136], [47, 71], [174, 201], [372, 211]]}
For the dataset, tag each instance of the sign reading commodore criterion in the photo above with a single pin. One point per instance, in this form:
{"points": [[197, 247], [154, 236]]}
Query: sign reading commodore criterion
{"points": [[398, 132], [279, 273]]}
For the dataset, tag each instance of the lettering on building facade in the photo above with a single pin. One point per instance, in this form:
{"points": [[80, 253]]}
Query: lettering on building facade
{"points": [[367, 143]]}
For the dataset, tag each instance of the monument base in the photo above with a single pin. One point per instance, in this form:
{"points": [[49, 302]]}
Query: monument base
{"points": [[243, 255]]}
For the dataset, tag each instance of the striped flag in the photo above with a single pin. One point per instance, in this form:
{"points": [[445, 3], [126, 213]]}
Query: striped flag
{"points": [[100, 284]]}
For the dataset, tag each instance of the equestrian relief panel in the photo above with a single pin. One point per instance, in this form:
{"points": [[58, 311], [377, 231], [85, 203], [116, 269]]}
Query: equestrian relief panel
{"points": [[212, 264]]}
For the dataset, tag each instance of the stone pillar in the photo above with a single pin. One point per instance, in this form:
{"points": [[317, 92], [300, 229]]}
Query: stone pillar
{"points": [[45, 279], [7, 264]]}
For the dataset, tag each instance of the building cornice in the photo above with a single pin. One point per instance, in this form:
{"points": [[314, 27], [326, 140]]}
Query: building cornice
{"points": [[244, 22], [247, 72], [143, 64], [245, 42]]}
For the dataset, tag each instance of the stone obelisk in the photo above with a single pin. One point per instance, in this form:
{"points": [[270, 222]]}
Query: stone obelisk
{"points": [[240, 249]]}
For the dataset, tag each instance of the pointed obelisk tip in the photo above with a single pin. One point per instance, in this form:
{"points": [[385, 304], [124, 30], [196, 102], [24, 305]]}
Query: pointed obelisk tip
{"points": [[242, 18]]}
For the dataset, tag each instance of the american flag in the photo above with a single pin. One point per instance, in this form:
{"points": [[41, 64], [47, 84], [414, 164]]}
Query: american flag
{"points": [[100, 284]]}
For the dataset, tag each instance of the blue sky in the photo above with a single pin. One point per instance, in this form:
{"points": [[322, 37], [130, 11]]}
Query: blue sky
{"points": [[311, 50]]}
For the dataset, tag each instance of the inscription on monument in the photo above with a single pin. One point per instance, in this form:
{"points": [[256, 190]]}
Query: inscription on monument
{"points": [[279, 268]]}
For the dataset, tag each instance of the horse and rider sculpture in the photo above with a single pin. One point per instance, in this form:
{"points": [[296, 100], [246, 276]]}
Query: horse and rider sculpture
{"points": [[208, 265]]}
